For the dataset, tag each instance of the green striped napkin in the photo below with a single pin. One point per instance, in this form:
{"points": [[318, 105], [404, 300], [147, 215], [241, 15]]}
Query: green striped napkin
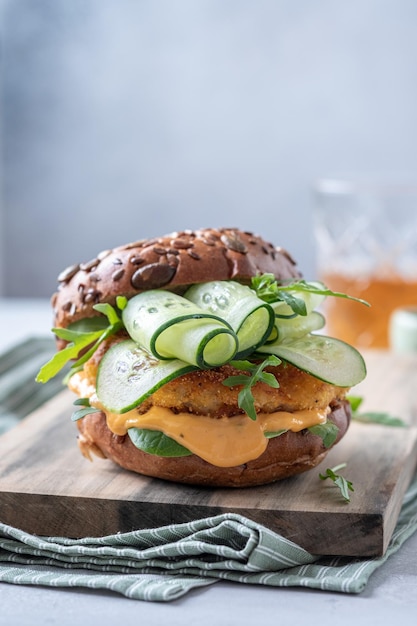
{"points": [[165, 563], [19, 393]]}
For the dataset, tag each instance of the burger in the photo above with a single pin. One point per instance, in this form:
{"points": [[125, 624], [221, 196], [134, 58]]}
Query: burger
{"points": [[196, 357]]}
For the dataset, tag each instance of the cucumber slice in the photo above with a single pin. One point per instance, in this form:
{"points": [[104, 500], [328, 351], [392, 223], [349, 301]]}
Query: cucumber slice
{"points": [[171, 327], [326, 358], [127, 375], [298, 326], [251, 318]]}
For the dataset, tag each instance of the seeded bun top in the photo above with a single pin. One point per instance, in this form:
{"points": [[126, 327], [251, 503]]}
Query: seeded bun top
{"points": [[172, 262]]}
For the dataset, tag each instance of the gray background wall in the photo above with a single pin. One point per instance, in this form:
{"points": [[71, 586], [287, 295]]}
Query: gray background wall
{"points": [[125, 119]]}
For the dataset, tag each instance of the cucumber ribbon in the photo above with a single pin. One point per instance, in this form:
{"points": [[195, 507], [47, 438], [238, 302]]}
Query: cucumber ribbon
{"points": [[171, 327], [212, 324], [251, 318]]}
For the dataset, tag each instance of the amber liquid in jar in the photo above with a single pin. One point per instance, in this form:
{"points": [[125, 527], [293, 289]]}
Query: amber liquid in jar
{"points": [[359, 325]]}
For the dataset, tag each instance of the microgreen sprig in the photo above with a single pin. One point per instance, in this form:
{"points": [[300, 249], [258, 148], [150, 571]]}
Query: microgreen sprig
{"points": [[255, 373], [373, 417], [270, 290], [340, 481]]}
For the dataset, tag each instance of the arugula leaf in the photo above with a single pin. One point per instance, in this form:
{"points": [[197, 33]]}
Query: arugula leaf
{"points": [[373, 417], [108, 311], [86, 410], [121, 302], [297, 304], [61, 358], [155, 442], [275, 433], [344, 485], [255, 373], [80, 337], [355, 402], [77, 415], [305, 286], [265, 286], [270, 290], [82, 402], [328, 433]]}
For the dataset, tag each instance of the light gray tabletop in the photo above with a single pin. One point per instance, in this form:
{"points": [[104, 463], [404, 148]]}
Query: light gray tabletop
{"points": [[391, 593]]}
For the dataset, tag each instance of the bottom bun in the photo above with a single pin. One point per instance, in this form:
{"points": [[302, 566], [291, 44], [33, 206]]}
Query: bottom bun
{"points": [[289, 454]]}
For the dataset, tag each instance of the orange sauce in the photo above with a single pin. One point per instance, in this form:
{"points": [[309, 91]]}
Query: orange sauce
{"points": [[225, 442]]}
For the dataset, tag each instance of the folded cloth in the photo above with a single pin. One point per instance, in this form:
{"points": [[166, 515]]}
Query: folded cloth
{"points": [[165, 563]]}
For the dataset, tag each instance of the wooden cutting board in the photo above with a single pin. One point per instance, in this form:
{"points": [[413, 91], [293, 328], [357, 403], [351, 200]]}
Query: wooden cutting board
{"points": [[48, 488]]}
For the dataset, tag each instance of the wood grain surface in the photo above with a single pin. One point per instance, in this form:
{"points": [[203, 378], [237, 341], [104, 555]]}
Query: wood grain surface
{"points": [[48, 488]]}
